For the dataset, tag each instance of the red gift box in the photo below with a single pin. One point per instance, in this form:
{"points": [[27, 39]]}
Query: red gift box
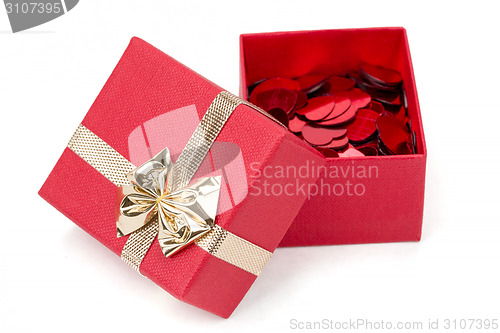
{"points": [[150, 102], [385, 202]]}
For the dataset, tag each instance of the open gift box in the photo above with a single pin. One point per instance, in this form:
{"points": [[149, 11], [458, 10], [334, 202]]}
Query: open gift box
{"points": [[151, 102], [386, 197]]}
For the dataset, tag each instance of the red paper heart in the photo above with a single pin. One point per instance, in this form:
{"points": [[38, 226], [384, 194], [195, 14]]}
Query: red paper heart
{"points": [[280, 98], [327, 152], [394, 134], [296, 124], [322, 111], [320, 136], [376, 106], [342, 104], [363, 127], [301, 100], [381, 75], [337, 144], [357, 96], [326, 103], [274, 83], [339, 83], [280, 115], [311, 82], [342, 119]]}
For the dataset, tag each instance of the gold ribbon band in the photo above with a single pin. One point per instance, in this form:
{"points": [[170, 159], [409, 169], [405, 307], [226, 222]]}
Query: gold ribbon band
{"points": [[234, 250], [205, 134], [111, 164], [101, 156]]}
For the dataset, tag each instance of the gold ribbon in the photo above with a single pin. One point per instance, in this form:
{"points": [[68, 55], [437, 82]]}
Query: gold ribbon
{"points": [[156, 200]]}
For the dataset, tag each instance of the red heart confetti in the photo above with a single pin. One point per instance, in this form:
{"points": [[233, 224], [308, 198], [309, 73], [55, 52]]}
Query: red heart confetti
{"points": [[281, 98], [280, 115], [345, 117], [321, 136], [322, 102], [296, 124], [342, 104], [338, 144], [363, 127], [322, 109], [366, 108], [327, 152], [336, 84], [381, 75], [376, 106], [357, 96], [394, 135], [368, 150], [274, 83], [309, 83], [301, 100]]}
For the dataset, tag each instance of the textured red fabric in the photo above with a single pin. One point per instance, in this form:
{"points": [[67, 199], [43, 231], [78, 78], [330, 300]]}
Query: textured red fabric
{"points": [[147, 84], [391, 209]]}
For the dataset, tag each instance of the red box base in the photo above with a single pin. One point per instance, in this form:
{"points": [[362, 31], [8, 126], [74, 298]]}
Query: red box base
{"points": [[390, 207]]}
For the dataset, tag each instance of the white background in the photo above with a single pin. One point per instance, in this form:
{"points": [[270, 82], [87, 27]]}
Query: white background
{"points": [[56, 278]]}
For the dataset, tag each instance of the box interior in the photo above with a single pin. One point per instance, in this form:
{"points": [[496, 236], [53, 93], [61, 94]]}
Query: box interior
{"points": [[336, 52]]}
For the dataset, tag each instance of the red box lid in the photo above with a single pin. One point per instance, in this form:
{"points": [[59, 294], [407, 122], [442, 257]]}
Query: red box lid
{"points": [[152, 101]]}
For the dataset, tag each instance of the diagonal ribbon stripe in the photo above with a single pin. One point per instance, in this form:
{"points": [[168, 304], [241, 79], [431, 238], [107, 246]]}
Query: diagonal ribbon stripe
{"points": [[111, 164], [101, 156]]}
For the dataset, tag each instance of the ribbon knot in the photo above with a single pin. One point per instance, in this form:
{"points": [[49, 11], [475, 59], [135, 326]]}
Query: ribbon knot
{"points": [[183, 215]]}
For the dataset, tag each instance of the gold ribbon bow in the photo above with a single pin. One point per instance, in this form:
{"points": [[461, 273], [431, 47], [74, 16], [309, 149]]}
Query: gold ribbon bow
{"points": [[182, 215]]}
